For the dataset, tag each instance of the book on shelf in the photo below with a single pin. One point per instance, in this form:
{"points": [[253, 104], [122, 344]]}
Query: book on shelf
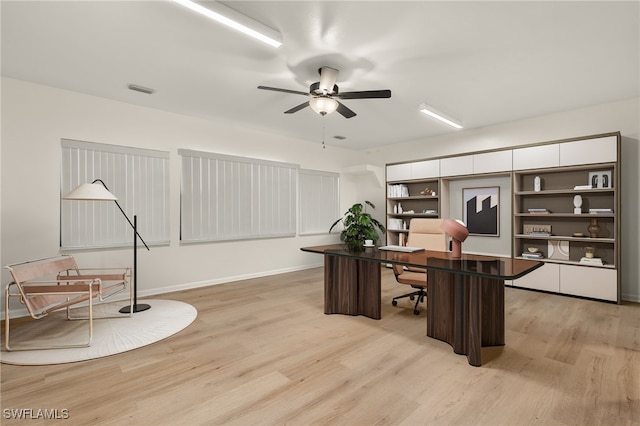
{"points": [[579, 187], [538, 211], [398, 191], [591, 261], [529, 255], [600, 211]]}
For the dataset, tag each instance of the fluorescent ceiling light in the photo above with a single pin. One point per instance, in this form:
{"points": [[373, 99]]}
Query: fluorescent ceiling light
{"points": [[234, 19], [432, 112]]}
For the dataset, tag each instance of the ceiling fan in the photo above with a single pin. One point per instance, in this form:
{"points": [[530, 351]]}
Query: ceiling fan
{"points": [[324, 93]]}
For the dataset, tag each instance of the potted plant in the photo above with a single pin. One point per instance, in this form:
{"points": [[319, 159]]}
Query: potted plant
{"points": [[358, 226]]}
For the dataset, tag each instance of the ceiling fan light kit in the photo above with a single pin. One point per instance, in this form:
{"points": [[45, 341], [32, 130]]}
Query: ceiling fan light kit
{"points": [[236, 20], [434, 113], [323, 105]]}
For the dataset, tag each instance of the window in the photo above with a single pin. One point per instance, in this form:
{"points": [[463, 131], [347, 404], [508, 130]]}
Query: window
{"points": [[319, 201], [232, 198], [138, 177]]}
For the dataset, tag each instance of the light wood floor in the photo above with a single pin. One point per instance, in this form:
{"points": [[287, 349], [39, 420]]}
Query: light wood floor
{"points": [[262, 352]]}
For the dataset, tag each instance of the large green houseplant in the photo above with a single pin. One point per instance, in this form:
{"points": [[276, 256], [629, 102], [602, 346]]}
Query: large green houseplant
{"points": [[358, 226]]}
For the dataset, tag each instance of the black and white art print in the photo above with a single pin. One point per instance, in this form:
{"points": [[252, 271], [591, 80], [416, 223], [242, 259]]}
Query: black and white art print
{"points": [[481, 210]]}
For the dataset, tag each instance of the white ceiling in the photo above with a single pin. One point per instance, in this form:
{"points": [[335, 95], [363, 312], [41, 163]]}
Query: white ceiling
{"points": [[481, 62]]}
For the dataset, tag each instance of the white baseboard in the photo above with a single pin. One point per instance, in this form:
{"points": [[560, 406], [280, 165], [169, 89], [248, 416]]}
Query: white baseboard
{"points": [[22, 312]]}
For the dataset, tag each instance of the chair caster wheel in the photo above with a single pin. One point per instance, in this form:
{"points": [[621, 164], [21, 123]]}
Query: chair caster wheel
{"points": [[394, 302], [411, 297], [416, 312]]}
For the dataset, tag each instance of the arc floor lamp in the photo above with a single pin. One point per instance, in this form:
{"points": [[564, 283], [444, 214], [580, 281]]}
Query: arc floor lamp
{"points": [[98, 191]]}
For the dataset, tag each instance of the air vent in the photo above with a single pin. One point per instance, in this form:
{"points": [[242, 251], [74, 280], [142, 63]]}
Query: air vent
{"points": [[340, 138], [141, 89]]}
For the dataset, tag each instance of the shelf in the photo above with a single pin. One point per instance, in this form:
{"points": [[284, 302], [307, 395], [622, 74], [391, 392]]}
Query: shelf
{"points": [[413, 215], [414, 197], [399, 231], [563, 238], [568, 262], [572, 215], [566, 191]]}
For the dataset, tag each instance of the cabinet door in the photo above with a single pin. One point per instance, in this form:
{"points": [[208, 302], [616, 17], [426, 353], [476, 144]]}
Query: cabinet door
{"points": [[590, 151], [536, 157], [425, 169], [545, 278], [399, 172], [499, 161], [586, 281], [456, 166]]}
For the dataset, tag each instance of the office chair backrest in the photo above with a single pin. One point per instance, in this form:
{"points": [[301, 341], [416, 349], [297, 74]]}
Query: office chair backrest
{"points": [[426, 233]]}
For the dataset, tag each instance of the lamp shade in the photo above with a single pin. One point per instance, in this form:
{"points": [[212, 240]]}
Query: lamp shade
{"points": [[458, 232], [323, 105], [90, 191]]}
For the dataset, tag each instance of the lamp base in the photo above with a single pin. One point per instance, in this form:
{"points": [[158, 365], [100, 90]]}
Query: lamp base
{"points": [[138, 307]]}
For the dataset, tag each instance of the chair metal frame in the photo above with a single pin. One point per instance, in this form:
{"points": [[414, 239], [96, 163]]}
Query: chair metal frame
{"points": [[54, 283]]}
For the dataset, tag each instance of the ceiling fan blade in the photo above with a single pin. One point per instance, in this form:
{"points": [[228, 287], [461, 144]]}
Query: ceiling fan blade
{"points": [[297, 108], [328, 77], [275, 89], [365, 94], [346, 112]]}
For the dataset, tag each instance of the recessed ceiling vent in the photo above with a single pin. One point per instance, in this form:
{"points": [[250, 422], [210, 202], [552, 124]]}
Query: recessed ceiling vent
{"points": [[340, 138], [141, 89]]}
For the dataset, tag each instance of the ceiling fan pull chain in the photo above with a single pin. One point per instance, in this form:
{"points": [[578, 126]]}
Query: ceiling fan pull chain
{"points": [[323, 145]]}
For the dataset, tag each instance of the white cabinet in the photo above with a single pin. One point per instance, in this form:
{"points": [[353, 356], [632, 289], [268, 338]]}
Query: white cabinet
{"points": [[536, 157], [456, 166], [425, 169], [399, 172], [589, 151], [491, 162], [546, 278], [585, 281], [416, 170]]}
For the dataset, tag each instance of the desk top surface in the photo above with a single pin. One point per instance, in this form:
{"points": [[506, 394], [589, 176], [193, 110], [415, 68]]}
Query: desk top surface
{"points": [[469, 264]]}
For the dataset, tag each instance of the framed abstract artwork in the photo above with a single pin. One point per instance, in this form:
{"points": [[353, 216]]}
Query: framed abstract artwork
{"points": [[481, 210]]}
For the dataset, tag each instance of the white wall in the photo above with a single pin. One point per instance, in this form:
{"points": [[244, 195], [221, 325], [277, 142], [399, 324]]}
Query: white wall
{"points": [[36, 117], [623, 116]]}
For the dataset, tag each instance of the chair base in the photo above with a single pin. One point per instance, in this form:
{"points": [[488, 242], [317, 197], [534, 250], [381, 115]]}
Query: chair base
{"points": [[419, 295]]}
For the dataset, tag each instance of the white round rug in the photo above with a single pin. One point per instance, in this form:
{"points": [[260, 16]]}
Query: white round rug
{"points": [[110, 336]]}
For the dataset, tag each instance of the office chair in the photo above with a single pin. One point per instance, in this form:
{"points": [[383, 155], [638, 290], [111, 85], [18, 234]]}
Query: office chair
{"points": [[425, 233]]}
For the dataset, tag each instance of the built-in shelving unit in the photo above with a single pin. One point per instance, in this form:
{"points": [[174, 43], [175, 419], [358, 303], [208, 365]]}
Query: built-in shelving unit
{"points": [[549, 181]]}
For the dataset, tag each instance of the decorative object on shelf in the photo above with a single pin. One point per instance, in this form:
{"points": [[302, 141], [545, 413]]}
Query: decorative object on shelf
{"points": [[532, 253], [589, 252], [428, 191], [538, 211], [593, 228], [481, 207], [536, 230], [532, 249], [578, 234], [600, 211], [577, 204], [537, 184], [395, 209], [558, 249], [358, 226], [458, 232], [399, 208], [600, 179]]}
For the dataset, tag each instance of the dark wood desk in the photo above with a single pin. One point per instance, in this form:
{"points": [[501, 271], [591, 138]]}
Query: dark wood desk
{"points": [[465, 303]]}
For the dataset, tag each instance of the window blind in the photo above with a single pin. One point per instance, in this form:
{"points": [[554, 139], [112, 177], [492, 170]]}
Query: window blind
{"points": [[232, 198], [138, 177], [319, 197]]}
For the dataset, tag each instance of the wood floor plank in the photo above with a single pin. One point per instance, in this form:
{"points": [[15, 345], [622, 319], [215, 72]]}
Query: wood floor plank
{"points": [[261, 352]]}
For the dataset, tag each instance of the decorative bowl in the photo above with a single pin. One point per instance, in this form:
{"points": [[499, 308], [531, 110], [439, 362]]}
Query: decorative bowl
{"points": [[532, 249]]}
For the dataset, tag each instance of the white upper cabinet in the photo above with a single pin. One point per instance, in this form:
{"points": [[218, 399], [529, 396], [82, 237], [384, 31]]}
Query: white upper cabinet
{"points": [[589, 151], [417, 170], [456, 166], [491, 162], [536, 157], [425, 169], [399, 172]]}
